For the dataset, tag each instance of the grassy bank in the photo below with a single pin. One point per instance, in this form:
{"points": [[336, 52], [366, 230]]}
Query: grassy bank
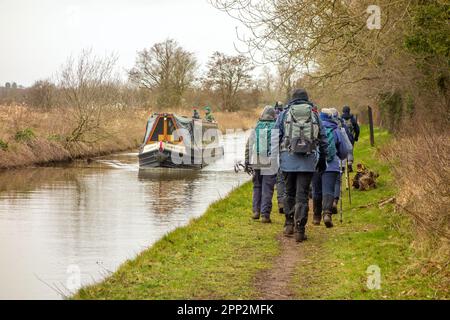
{"points": [[221, 254], [31, 136]]}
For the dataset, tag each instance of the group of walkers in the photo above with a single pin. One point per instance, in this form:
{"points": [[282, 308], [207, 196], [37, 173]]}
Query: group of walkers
{"points": [[301, 150]]}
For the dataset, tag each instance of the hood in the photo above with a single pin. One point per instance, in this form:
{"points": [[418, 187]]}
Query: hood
{"points": [[327, 119], [300, 94], [268, 114], [346, 110]]}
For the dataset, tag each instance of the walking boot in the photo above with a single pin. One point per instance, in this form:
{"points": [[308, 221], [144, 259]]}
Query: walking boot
{"points": [[334, 209], [350, 167], [328, 209], [300, 218], [289, 225], [316, 220], [300, 236], [256, 215], [299, 233], [288, 207], [327, 219], [265, 219], [288, 230], [317, 210]]}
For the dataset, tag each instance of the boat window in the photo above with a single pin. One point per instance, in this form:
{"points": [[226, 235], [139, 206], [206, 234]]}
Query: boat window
{"points": [[170, 126], [159, 130]]}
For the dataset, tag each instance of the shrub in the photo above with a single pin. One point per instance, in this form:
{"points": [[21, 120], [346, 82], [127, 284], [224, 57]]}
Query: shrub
{"points": [[391, 109], [41, 94], [24, 135], [3, 145], [421, 167]]}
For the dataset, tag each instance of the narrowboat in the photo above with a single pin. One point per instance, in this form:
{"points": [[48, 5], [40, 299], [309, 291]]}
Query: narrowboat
{"points": [[174, 141]]}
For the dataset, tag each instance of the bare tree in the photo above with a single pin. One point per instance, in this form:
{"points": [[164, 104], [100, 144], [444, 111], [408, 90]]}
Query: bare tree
{"points": [[227, 75], [267, 81], [167, 69], [87, 87], [41, 94], [287, 75], [327, 39]]}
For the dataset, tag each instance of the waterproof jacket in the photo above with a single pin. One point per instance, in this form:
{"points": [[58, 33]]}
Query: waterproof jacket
{"points": [[256, 161], [341, 149], [346, 115], [209, 117], [300, 163]]}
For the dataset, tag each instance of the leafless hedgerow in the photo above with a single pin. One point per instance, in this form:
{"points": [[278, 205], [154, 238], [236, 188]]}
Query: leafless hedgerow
{"points": [[421, 164]]}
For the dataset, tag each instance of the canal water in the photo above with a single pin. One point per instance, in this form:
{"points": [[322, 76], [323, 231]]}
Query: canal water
{"points": [[66, 226]]}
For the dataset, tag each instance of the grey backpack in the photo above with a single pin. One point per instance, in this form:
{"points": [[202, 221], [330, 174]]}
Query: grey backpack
{"points": [[301, 130]]}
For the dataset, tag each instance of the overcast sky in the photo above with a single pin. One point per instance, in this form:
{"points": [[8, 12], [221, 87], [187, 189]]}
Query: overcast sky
{"points": [[37, 36]]}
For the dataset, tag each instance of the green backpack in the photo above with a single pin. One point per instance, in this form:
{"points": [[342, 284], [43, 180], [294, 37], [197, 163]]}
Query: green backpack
{"points": [[301, 130], [263, 132], [331, 151]]}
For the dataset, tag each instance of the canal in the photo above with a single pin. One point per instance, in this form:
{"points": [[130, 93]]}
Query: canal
{"points": [[70, 225]]}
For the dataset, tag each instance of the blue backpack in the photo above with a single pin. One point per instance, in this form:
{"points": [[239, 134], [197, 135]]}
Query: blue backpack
{"points": [[263, 132], [331, 151]]}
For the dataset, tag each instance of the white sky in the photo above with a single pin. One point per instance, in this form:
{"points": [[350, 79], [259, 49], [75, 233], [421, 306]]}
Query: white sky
{"points": [[37, 36]]}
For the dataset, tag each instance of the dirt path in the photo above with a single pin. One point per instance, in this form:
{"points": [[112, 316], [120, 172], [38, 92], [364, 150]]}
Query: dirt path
{"points": [[277, 283], [274, 284]]}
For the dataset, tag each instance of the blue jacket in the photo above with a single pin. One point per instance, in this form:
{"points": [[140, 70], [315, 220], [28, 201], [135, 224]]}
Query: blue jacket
{"points": [[341, 149], [298, 163]]}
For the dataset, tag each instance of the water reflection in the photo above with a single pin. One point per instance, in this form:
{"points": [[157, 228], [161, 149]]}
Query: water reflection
{"points": [[169, 189], [95, 216]]}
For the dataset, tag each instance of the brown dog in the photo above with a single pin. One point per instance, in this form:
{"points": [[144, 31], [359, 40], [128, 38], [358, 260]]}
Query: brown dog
{"points": [[364, 179]]}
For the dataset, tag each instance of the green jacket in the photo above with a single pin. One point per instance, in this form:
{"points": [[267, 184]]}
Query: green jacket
{"points": [[209, 117]]}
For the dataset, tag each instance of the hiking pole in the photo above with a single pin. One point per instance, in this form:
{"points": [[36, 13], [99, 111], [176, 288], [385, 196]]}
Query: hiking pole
{"points": [[341, 193], [348, 183]]}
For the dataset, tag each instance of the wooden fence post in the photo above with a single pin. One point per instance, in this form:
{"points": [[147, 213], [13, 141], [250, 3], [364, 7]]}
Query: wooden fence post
{"points": [[372, 136]]}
